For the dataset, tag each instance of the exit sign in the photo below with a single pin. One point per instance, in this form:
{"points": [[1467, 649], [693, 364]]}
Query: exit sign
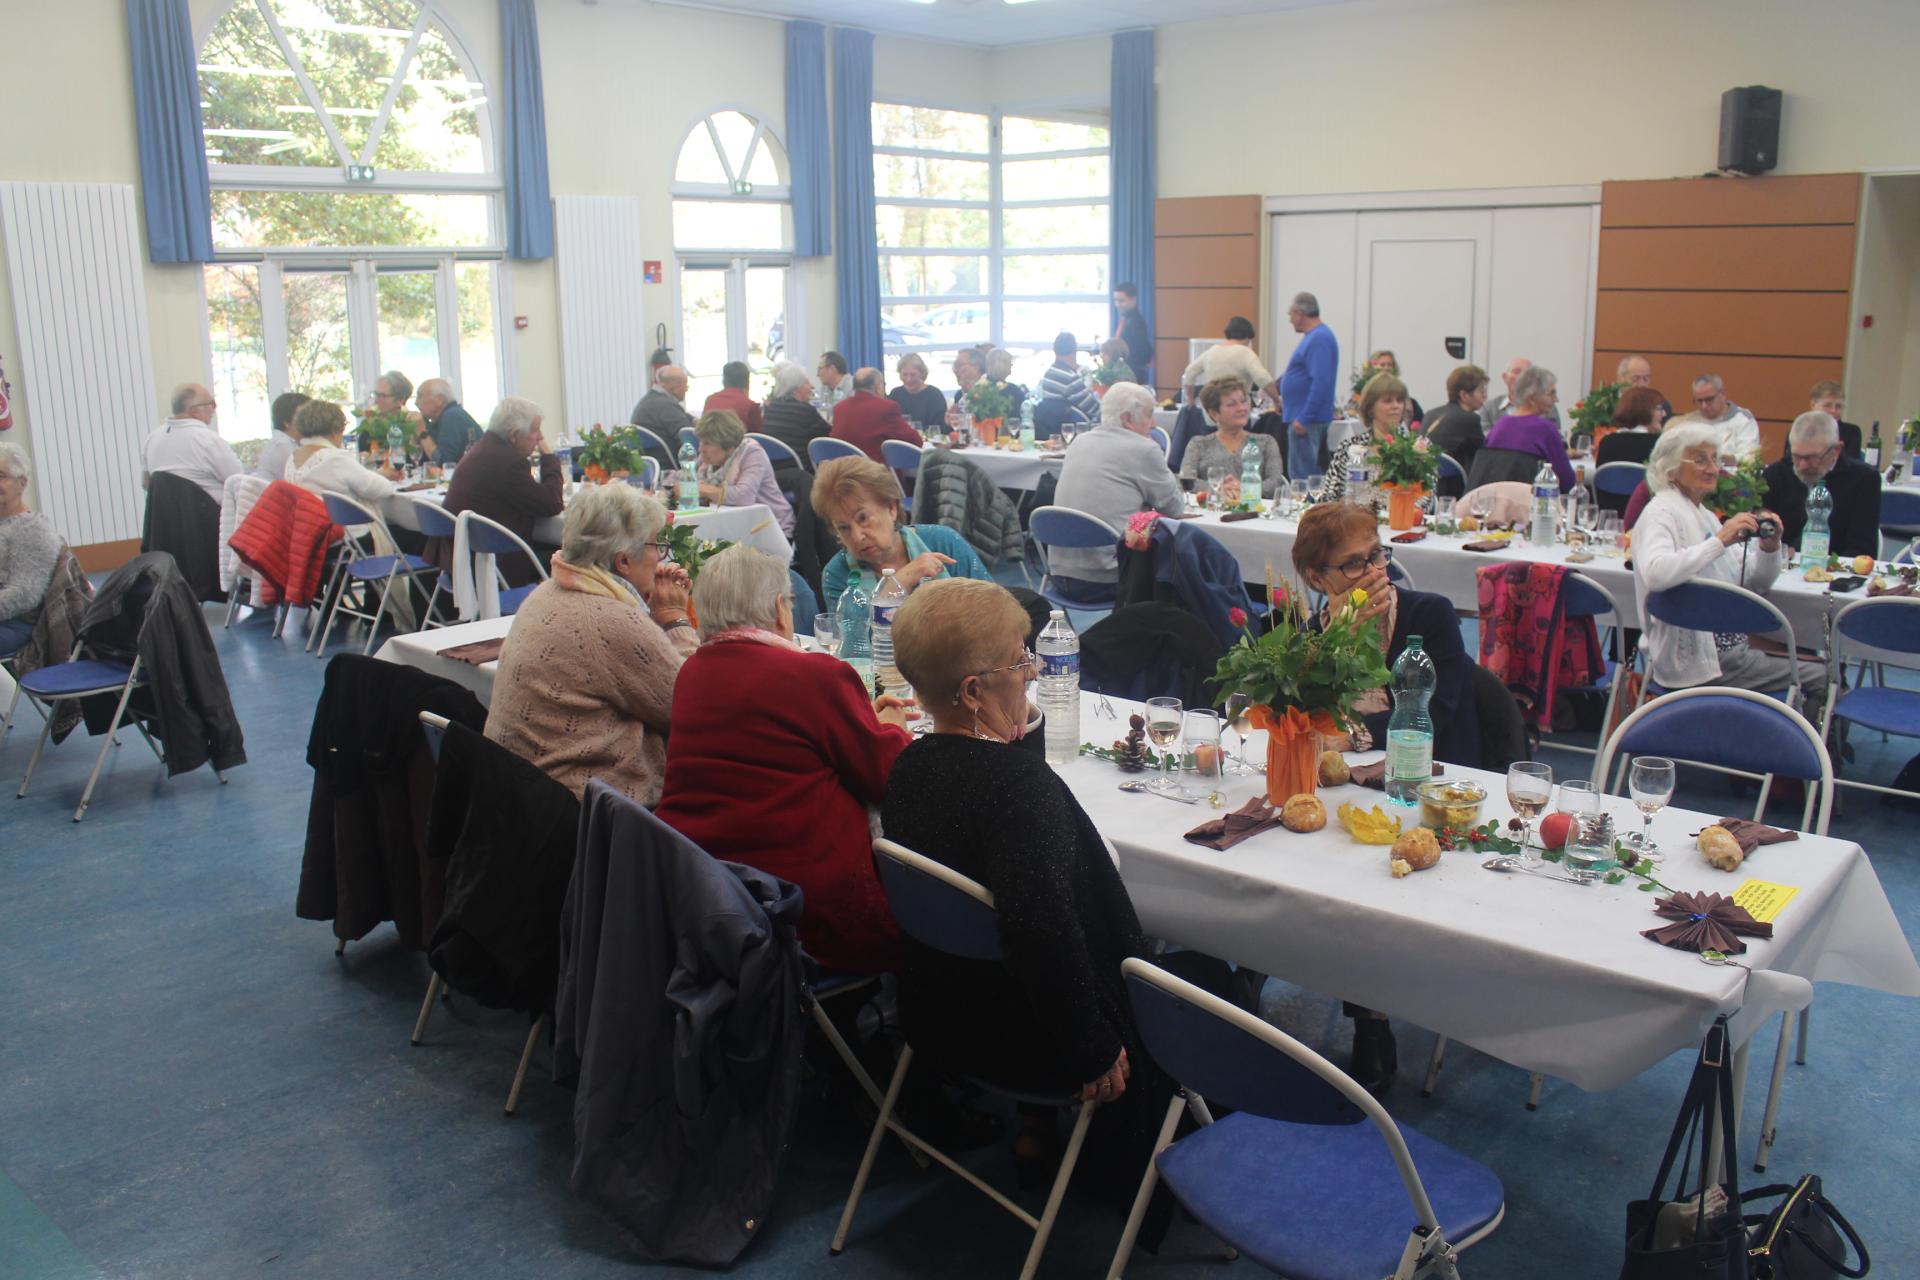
{"points": [[359, 173]]}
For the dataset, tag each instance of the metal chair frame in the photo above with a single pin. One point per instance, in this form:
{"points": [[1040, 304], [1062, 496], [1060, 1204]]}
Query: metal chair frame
{"points": [[351, 553], [1161, 438], [1087, 524], [824, 449], [1899, 515], [1878, 656], [1605, 475], [504, 541], [435, 523], [778, 450], [650, 439]]}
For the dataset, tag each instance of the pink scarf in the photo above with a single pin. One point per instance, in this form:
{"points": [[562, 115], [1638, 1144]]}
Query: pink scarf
{"points": [[755, 635]]}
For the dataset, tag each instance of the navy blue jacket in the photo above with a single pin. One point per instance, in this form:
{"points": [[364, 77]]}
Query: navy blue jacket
{"points": [[1187, 566]]}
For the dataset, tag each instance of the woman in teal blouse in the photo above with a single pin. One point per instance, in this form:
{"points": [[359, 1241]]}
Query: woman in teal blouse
{"points": [[860, 500]]}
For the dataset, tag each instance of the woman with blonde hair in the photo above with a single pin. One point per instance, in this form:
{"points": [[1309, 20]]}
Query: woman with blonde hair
{"points": [[860, 501], [1383, 405], [924, 406]]}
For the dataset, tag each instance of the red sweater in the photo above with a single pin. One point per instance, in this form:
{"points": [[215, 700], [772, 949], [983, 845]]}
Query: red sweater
{"points": [[865, 419], [739, 402], [773, 759]]}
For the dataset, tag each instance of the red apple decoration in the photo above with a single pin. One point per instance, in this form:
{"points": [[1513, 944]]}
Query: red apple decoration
{"points": [[1554, 828]]}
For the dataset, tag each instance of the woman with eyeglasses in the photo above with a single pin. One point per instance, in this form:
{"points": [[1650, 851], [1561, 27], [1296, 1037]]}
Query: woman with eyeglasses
{"points": [[1337, 549], [585, 686], [978, 795], [860, 500], [1383, 409]]}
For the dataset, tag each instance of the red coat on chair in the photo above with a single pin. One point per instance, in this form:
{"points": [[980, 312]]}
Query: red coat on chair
{"points": [[284, 539], [773, 760]]}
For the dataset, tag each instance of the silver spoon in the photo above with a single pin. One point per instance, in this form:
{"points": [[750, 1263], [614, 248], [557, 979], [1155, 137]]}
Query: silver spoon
{"points": [[1140, 788], [1512, 864]]}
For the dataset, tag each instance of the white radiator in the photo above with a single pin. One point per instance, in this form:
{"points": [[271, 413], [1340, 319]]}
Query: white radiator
{"points": [[603, 340], [86, 366]]}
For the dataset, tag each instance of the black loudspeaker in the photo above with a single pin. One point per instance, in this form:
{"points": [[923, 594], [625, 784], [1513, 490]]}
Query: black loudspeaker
{"points": [[1750, 129]]}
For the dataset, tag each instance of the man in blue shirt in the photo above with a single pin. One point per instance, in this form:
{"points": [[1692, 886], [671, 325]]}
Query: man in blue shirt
{"points": [[447, 430], [1306, 388]]}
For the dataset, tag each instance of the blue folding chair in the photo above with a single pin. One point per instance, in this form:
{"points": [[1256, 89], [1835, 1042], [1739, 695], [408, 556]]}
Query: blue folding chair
{"points": [[1750, 732], [942, 909], [778, 450], [648, 477], [1899, 514], [491, 538], [1450, 469], [650, 441], [904, 459], [358, 566], [822, 449], [1161, 438], [1706, 604], [435, 523], [689, 437], [1884, 631], [1583, 597], [1065, 527], [1310, 1177], [1399, 575], [8, 660], [1619, 479]]}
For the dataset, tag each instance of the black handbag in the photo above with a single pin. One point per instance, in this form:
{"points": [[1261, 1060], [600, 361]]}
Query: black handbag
{"points": [[1800, 1239], [1717, 1247]]}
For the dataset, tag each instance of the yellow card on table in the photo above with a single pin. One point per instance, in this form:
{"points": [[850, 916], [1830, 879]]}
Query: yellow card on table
{"points": [[1762, 900]]}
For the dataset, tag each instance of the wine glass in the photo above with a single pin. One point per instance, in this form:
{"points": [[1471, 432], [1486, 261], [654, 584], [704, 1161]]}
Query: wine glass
{"points": [[1216, 479], [1202, 730], [826, 633], [1298, 490], [1240, 716], [1316, 485], [1529, 787], [1651, 786], [1163, 730]]}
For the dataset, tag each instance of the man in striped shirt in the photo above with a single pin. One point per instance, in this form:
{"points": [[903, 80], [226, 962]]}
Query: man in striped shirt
{"points": [[1063, 380]]}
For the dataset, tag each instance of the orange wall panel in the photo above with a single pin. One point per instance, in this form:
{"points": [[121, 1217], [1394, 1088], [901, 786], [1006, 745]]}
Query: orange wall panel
{"points": [[1198, 261], [1732, 202], [1207, 216], [1199, 313], [1772, 388], [1807, 324], [1727, 258]]}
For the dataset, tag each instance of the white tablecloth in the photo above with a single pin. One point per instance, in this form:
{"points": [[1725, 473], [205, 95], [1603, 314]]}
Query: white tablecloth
{"points": [[421, 649], [1550, 977], [1009, 470], [1438, 564]]}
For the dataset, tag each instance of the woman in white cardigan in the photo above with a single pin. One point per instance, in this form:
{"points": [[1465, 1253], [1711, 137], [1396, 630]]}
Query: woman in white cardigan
{"points": [[1679, 540]]}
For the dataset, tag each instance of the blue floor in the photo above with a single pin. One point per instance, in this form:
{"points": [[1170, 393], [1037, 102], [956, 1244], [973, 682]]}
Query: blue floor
{"points": [[192, 1085]]}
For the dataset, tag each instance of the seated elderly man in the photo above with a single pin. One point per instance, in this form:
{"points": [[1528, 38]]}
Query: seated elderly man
{"points": [[732, 396], [1814, 456], [1739, 433], [789, 415], [868, 418], [493, 481], [187, 445], [585, 685], [663, 410], [29, 552], [447, 430], [1112, 472]]}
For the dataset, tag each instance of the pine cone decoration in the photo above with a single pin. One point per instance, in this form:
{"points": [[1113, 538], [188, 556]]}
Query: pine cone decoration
{"points": [[1133, 752]]}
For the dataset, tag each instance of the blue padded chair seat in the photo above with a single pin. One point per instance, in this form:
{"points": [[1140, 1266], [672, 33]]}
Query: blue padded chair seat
{"points": [[513, 597], [71, 679], [368, 568], [1888, 710], [1316, 1202], [1660, 691]]}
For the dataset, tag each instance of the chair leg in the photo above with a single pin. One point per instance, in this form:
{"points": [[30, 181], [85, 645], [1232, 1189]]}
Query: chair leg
{"points": [[33, 761], [321, 623], [1806, 1020], [845, 1053], [339, 946], [100, 761], [526, 1056], [1433, 1066], [1067, 1161], [1533, 1091], [373, 628], [1771, 1114], [233, 605], [13, 705], [873, 1149], [1148, 1180], [426, 1009]]}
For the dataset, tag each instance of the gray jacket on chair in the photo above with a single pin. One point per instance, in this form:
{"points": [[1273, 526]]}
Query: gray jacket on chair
{"points": [[952, 491]]}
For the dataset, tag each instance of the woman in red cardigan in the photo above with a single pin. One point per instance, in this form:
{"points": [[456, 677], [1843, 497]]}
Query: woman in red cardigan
{"points": [[776, 756]]}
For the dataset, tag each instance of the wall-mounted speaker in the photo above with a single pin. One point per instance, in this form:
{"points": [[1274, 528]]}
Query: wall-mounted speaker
{"points": [[1750, 129]]}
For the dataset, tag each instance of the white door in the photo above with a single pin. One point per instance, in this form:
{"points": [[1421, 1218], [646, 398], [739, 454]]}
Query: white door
{"points": [[1423, 285], [1312, 253]]}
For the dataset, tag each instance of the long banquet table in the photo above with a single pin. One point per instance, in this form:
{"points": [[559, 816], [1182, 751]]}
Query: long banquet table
{"points": [[1010, 468]]}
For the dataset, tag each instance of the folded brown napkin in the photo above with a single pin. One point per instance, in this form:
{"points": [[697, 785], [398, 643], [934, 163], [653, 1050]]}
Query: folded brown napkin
{"points": [[417, 486], [479, 653], [1250, 819], [1375, 775], [1705, 922], [1753, 834], [1488, 544], [1891, 589], [1232, 516]]}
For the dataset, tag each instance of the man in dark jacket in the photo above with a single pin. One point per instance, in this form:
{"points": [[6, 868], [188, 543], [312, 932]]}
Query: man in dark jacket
{"points": [[493, 482], [447, 430], [1133, 331], [1814, 457]]}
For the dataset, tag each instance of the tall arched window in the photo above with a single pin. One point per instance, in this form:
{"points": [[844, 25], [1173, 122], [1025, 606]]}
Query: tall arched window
{"points": [[356, 204], [733, 241]]}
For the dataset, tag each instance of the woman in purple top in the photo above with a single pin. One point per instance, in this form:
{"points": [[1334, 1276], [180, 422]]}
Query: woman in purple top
{"points": [[1529, 430]]}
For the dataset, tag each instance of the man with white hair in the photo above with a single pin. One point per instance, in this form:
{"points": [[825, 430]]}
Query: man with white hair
{"points": [[493, 481], [789, 415], [1635, 371], [447, 430], [1739, 433], [187, 445], [1498, 407], [1814, 456], [663, 410], [1112, 472]]}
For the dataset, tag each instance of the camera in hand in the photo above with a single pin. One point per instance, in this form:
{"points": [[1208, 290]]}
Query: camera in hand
{"points": [[1767, 528]]}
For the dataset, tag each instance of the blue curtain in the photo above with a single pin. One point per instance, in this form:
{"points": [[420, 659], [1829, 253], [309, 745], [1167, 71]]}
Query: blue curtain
{"points": [[524, 108], [857, 265], [1130, 216], [809, 144], [173, 152]]}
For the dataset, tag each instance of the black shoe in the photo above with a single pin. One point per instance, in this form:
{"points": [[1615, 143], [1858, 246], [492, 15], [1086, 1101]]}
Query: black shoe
{"points": [[1375, 1056]]}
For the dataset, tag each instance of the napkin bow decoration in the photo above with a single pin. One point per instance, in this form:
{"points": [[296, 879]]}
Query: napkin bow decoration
{"points": [[1705, 922], [1249, 820]]}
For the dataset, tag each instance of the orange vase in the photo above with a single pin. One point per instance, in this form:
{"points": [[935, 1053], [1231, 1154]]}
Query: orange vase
{"points": [[1402, 505], [1293, 750], [989, 429]]}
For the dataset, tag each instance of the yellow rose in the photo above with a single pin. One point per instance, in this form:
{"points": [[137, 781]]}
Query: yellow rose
{"points": [[1356, 597]]}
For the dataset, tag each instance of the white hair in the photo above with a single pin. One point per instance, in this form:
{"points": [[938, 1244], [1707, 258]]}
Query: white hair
{"points": [[1126, 400], [434, 387], [183, 397], [999, 364], [1710, 380], [1673, 445], [788, 378], [605, 520], [1815, 428], [14, 462], [1307, 303], [1534, 381], [512, 416], [740, 587]]}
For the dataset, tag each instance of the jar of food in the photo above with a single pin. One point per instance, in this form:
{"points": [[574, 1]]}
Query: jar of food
{"points": [[1451, 806]]}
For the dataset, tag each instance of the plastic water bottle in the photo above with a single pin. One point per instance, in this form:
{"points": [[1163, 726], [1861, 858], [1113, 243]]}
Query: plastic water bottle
{"points": [[1059, 654], [890, 596], [1816, 540], [852, 612], [1026, 423], [1546, 502], [396, 445], [689, 491], [1250, 476], [1359, 479], [1410, 731]]}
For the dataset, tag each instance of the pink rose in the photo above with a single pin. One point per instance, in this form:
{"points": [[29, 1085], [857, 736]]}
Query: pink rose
{"points": [[1420, 443]]}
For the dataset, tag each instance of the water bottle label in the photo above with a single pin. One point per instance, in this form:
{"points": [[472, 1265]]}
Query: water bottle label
{"points": [[1053, 665], [1409, 754], [883, 615]]}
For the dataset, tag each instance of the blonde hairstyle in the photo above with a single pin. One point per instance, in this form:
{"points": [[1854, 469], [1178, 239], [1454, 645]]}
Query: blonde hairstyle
{"points": [[846, 482], [953, 628], [911, 360], [1393, 361], [604, 520], [318, 418], [1821, 390], [721, 427], [1379, 387], [740, 587]]}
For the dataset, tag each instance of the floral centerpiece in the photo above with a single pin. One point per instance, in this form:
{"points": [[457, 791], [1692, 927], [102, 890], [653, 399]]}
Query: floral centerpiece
{"points": [[1743, 488], [989, 404], [688, 549], [1593, 414], [1302, 682], [1109, 373], [1362, 375], [1910, 434], [375, 428], [603, 454], [1406, 466]]}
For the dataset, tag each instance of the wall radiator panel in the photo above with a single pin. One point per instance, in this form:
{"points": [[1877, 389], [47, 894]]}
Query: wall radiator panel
{"points": [[603, 338], [86, 364]]}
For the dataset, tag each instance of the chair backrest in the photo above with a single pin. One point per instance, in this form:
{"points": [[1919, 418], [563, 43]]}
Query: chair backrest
{"points": [[1900, 512], [901, 456], [1050, 413], [1227, 1055], [1584, 597], [1491, 466], [936, 905], [351, 514], [1881, 629], [648, 477], [1065, 527], [1450, 468], [650, 441], [1732, 728], [1709, 605], [491, 538], [433, 518], [435, 729], [688, 436], [778, 450], [824, 449], [1161, 438], [1619, 478]]}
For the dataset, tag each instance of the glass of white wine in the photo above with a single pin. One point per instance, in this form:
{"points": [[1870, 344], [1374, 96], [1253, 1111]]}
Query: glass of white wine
{"points": [[1529, 788], [1650, 783], [1164, 718], [1239, 715]]}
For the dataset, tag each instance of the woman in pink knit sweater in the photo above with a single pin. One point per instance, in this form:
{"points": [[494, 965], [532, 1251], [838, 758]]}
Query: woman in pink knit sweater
{"points": [[586, 677]]}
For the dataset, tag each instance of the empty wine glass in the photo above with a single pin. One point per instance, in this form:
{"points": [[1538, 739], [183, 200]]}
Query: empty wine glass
{"points": [[1651, 785], [1202, 731], [1529, 787], [1316, 485], [1239, 715], [1163, 730], [826, 634], [1216, 479], [1298, 490]]}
